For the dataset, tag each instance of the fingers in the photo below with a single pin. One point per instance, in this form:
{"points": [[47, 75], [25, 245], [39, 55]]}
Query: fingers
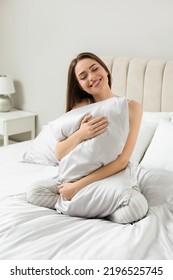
{"points": [[99, 126], [98, 132], [97, 119], [94, 127], [60, 187], [103, 122], [86, 119]]}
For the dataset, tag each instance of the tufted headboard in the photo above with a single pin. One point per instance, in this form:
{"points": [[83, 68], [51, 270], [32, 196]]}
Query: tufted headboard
{"points": [[150, 82]]}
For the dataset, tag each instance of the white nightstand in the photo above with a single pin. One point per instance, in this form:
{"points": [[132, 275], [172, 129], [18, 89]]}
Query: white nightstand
{"points": [[15, 122]]}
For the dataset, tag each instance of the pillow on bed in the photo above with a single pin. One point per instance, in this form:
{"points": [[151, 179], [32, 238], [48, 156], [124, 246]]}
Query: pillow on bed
{"points": [[155, 117], [42, 150], [98, 151], [150, 121], [159, 154], [145, 135], [172, 117]]}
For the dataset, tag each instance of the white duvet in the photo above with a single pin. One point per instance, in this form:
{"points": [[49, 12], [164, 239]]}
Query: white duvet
{"points": [[16, 176], [31, 232]]}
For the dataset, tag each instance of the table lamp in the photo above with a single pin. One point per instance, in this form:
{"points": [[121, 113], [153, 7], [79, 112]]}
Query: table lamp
{"points": [[6, 88]]}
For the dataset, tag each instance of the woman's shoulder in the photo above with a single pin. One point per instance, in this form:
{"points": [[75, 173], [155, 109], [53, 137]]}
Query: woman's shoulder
{"points": [[134, 108], [133, 103]]}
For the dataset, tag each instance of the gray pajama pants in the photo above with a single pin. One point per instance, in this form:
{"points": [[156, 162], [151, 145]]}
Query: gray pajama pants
{"points": [[45, 193]]}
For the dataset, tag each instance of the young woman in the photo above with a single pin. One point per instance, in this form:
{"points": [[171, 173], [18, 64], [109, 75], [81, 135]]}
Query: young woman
{"points": [[89, 81]]}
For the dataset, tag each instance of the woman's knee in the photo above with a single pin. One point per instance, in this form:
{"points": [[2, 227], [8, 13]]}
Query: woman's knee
{"points": [[135, 210], [42, 194], [138, 205]]}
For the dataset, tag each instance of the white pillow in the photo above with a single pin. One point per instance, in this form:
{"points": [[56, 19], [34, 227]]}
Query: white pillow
{"points": [[160, 152], [42, 150], [150, 121], [93, 153], [145, 135], [172, 117], [155, 117]]}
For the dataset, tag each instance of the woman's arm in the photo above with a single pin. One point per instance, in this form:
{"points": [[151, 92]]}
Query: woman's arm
{"points": [[68, 190], [88, 129]]}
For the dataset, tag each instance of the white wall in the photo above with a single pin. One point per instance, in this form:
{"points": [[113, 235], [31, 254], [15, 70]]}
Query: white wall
{"points": [[38, 39]]}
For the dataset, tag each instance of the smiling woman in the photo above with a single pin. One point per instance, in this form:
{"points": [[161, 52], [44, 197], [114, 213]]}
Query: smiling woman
{"points": [[84, 67], [93, 78], [113, 129]]}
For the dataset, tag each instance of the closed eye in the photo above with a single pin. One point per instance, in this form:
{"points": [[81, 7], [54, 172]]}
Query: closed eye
{"points": [[83, 77], [95, 69]]}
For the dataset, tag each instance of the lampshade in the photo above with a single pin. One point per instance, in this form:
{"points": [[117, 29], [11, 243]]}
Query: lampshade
{"points": [[6, 87]]}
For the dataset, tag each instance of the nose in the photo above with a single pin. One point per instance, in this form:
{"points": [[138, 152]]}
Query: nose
{"points": [[90, 76]]}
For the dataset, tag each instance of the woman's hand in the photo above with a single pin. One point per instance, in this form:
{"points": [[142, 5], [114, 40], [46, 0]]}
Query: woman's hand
{"points": [[88, 129], [67, 190], [92, 128]]}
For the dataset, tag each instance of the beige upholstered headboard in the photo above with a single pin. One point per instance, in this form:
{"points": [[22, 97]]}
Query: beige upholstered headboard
{"points": [[150, 82]]}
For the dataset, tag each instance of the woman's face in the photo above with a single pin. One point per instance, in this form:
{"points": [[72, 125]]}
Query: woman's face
{"points": [[92, 77]]}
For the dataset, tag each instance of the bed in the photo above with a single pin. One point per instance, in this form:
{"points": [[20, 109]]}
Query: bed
{"points": [[30, 232]]}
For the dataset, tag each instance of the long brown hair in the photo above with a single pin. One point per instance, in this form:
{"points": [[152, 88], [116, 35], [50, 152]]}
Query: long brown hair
{"points": [[74, 92]]}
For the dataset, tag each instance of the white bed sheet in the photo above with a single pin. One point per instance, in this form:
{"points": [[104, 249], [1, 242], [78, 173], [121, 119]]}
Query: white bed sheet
{"points": [[32, 232]]}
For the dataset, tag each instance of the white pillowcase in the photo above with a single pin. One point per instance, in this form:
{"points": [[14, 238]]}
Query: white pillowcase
{"points": [[150, 121], [155, 117], [145, 135], [172, 117], [93, 153], [160, 152], [42, 150]]}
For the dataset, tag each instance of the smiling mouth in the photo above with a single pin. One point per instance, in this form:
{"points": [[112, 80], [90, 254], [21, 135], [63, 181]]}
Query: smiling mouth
{"points": [[96, 83]]}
